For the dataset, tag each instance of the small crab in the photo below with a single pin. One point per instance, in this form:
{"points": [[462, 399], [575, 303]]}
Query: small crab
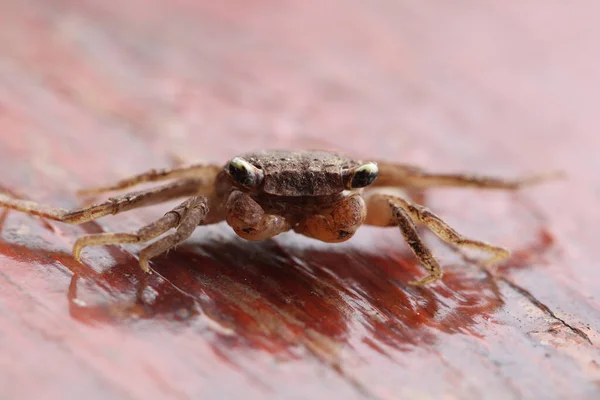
{"points": [[322, 195]]}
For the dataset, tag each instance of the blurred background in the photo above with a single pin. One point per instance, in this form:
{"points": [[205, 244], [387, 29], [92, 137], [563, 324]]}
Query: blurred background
{"points": [[93, 91]]}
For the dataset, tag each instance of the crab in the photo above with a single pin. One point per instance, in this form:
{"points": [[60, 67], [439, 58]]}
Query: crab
{"points": [[323, 195]]}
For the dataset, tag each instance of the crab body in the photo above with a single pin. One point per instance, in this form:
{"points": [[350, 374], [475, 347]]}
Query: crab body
{"points": [[320, 194]]}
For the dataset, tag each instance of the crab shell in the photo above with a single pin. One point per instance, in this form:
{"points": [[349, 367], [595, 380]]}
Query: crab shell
{"points": [[302, 173]]}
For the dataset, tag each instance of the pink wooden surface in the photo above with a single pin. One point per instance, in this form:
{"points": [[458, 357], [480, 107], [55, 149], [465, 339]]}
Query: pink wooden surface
{"points": [[97, 90]]}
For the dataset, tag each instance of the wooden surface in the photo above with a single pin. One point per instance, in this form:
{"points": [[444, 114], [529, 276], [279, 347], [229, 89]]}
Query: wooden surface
{"points": [[97, 90]]}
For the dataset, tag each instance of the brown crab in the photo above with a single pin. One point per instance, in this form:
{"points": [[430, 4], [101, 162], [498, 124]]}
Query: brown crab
{"points": [[323, 195]]}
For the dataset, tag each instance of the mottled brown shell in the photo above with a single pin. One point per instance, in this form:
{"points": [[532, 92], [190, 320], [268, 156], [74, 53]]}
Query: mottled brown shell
{"points": [[301, 173]]}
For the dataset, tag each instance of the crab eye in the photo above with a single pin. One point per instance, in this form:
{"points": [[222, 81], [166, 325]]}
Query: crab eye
{"points": [[243, 172], [364, 175]]}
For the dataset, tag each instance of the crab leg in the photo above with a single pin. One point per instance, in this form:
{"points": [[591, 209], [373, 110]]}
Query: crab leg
{"points": [[196, 212], [383, 211], [115, 205], [403, 175], [205, 173], [386, 210], [186, 217]]}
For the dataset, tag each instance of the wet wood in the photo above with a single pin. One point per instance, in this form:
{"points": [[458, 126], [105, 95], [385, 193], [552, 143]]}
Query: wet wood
{"points": [[91, 92]]}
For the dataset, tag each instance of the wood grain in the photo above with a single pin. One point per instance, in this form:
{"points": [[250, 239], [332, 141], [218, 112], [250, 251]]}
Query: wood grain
{"points": [[94, 91]]}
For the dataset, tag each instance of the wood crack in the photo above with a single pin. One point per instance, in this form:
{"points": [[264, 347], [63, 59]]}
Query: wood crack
{"points": [[544, 308]]}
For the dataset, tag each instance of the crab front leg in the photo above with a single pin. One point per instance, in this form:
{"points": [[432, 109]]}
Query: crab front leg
{"points": [[249, 220], [384, 210], [335, 223], [407, 176]]}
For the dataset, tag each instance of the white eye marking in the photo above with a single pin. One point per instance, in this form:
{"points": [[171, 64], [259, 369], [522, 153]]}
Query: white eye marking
{"points": [[240, 163], [370, 168], [364, 175], [244, 172]]}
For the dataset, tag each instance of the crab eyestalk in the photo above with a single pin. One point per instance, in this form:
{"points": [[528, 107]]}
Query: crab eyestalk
{"points": [[363, 175], [244, 173]]}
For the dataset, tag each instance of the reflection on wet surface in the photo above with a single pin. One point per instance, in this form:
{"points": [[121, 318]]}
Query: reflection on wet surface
{"points": [[269, 297]]}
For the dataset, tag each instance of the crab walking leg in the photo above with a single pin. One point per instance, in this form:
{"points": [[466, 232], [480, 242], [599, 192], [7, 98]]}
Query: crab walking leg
{"points": [[185, 217], [377, 215], [195, 211], [249, 220], [206, 173], [383, 211], [144, 234], [448, 234], [113, 205], [408, 176]]}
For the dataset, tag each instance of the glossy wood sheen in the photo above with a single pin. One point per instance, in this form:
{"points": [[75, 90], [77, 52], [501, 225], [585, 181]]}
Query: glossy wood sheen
{"points": [[94, 91]]}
